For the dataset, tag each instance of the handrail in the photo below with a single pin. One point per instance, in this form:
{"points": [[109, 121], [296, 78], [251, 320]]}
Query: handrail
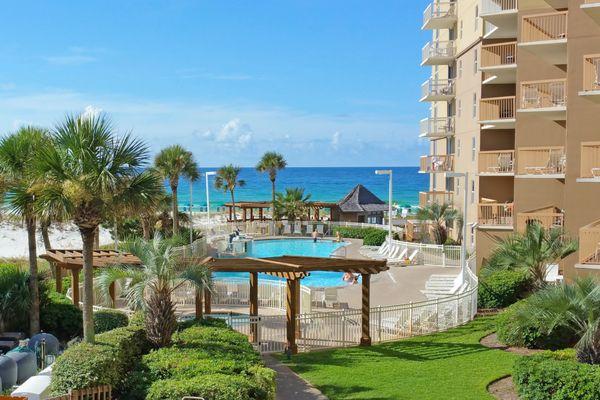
{"points": [[498, 54], [542, 27], [591, 72], [548, 160], [497, 6], [590, 160], [497, 108], [497, 162], [544, 93]]}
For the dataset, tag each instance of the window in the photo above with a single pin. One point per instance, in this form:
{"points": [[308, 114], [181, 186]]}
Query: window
{"points": [[459, 108], [472, 191], [476, 18], [457, 147], [475, 61], [474, 105], [473, 148], [460, 68]]}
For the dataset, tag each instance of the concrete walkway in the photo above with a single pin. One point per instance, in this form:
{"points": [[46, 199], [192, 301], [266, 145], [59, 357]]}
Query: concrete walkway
{"points": [[289, 385]]}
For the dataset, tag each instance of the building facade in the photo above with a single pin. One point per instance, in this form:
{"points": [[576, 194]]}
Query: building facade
{"points": [[526, 125]]}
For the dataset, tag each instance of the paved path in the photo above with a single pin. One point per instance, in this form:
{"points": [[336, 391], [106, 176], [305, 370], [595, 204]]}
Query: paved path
{"points": [[289, 385]]}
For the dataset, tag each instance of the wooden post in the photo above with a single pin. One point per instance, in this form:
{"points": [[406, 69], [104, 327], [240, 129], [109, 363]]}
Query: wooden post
{"points": [[113, 295], [244, 214], [317, 213], [365, 339], [253, 305], [297, 307], [252, 214], [261, 215], [75, 286], [230, 213], [207, 301], [291, 315], [198, 304], [58, 275]]}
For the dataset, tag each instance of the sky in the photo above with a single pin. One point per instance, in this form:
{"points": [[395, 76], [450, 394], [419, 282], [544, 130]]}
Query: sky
{"points": [[326, 83]]}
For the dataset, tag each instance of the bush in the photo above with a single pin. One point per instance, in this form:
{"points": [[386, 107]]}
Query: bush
{"points": [[59, 316], [503, 288], [370, 236], [532, 334], [14, 298], [550, 376], [210, 387], [107, 320], [107, 362]]}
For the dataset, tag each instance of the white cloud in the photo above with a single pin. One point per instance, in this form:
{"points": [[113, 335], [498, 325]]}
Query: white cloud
{"points": [[335, 140], [234, 134], [74, 56], [91, 111], [192, 73], [7, 86]]}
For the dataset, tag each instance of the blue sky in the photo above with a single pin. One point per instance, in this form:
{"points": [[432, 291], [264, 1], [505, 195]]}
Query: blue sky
{"points": [[327, 83]]}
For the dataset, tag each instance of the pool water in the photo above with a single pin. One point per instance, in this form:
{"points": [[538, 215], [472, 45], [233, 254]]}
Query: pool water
{"points": [[292, 247]]}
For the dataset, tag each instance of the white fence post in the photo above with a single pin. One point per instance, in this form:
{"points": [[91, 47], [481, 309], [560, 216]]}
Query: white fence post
{"points": [[437, 314], [410, 319], [379, 323]]}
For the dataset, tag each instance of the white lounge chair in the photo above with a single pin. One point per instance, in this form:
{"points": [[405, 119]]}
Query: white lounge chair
{"points": [[297, 228], [410, 259], [330, 297], [552, 275], [387, 253], [287, 229], [399, 258], [375, 250], [320, 229]]}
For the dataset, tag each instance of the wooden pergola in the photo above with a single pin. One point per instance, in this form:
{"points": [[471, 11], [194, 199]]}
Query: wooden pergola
{"points": [[293, 269], [249, 207], [73, 260]]}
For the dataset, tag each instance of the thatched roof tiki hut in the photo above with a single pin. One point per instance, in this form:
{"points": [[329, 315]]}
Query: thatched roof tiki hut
{"points": [[360, 205]]}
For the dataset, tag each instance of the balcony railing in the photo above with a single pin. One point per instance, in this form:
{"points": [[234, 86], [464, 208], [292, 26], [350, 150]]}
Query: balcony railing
{"points": [[542, 27], [590, 160], [497, 108], [544, 94], [498, 54], [437, 163], [437, 127], [495, 214], [439, 11], [498, 6], [438, 88], [497, 162], [427, 198], [591, 72], [441, 52], [541, 161], [548, 217], [589, 243]]}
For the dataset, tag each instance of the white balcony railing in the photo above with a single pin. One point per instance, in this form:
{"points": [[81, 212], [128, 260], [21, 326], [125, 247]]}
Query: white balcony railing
{"points": [[437, 127], [439, 52], [438, 88], [497, 6]]}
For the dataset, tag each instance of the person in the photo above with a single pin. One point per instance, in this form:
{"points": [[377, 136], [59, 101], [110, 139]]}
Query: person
{"points": [[315, 235], [350, 278], [338, 237]]}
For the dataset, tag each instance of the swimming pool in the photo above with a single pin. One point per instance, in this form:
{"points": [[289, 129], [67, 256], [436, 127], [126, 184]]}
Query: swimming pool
{"points": [[292, 247]]}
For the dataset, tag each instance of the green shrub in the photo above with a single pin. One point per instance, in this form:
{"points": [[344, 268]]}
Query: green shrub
{"points": [[107, 320], [59, 316], [14, 298], [370, 236], [375, 238], [502, 288], [550, 376], [531, 335], [210, 387], [109, 361]]}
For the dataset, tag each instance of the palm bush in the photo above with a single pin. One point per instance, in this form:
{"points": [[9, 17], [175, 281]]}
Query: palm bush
{"points": [[149, 287], [441, 216], [271, 162], [14, 297], [531, 252], [227, 180], [293, 204]]}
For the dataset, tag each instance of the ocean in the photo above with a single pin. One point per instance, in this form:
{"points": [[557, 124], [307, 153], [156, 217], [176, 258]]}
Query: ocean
{"points": [[323, 184]]}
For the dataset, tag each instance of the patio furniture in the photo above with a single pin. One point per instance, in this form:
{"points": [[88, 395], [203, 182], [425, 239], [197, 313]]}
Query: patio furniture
{"points": [[596, 172], [531, 97], [557, 94], [552, 275], [330, 297]]}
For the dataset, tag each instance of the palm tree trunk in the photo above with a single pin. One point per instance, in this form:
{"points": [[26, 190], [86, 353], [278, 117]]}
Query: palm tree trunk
{"points": [[97, 238], [273, 206], [145, 228], [87, 236], [233, 205], [175, 210], [45, 225], [34, 314]]}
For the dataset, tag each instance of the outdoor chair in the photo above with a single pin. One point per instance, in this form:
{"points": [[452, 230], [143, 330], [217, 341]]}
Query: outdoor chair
{"points": [[595, 172], [287, 229], [297, 228], [320, 229], [401, 257], [552, 275], [557, 94], [531, 98], [330, 297]]}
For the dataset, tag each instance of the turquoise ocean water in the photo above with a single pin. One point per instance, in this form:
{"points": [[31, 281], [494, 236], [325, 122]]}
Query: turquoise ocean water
{"points": [[323, 184]]}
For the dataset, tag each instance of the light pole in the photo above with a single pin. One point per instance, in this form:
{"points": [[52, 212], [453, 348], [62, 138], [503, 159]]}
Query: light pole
{"points": [[463, 243], [191, 214], [207, 174], [388, 172]]}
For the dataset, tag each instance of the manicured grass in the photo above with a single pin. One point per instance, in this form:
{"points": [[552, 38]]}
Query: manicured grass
{"points": [[449, 365]]}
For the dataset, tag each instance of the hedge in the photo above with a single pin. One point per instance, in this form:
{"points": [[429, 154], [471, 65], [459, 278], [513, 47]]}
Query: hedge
{"points": [[107, 320], [502, 288], [59, 316], [370, 236], [107, 362], [556, 376]]}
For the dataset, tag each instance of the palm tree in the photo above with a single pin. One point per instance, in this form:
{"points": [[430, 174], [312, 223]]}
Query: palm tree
{"points": [[574, 307], [227, 180], [87, 173], [150, 287], [292, 204], [172, 163], [440, 216], [531, 252], [271, 162], [17, 163]]}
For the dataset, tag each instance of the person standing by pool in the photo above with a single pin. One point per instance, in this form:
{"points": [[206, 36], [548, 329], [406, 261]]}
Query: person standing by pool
{"points": [[315, 235]]}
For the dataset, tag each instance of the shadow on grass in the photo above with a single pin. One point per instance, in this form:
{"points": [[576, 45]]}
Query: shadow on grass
{"points": [[342, 392]]}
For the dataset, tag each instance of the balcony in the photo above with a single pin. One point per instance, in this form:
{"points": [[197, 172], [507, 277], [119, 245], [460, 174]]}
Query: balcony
{"points": [[495, 215], [547, 99], [437, 128], [589, 246], [428, 198], [592, 8], [545, 35], [497, 112], [434, 89], [497, 163], [541, 162], [439, 53], [590, 162], [499, 63], [556, 4], [548, 217], [437, 164], [500, 17], [440, 15], [591, 77]]}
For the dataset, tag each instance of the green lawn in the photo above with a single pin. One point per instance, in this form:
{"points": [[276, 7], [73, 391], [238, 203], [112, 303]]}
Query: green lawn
{"points": [[449, 365]]}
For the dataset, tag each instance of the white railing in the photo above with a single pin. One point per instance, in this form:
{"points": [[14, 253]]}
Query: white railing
{"points": [[431, 254], [438, 49], [497, 6]]}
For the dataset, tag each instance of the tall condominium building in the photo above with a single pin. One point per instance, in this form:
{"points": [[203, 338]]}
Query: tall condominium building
{"points": [[515, 103]]}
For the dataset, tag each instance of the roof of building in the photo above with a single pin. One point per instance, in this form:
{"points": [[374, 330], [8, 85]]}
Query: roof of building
{"points": [[361, 199], [73, 259]]}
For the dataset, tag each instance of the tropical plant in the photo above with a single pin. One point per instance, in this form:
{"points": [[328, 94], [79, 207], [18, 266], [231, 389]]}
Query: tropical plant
{"points": [[172, 163], [531, 252], [227, 180], [271, 162], [293, 204], [88, 173], [150, 287], [15, 299], [17, 166], [441, 216], [575, 307]]}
